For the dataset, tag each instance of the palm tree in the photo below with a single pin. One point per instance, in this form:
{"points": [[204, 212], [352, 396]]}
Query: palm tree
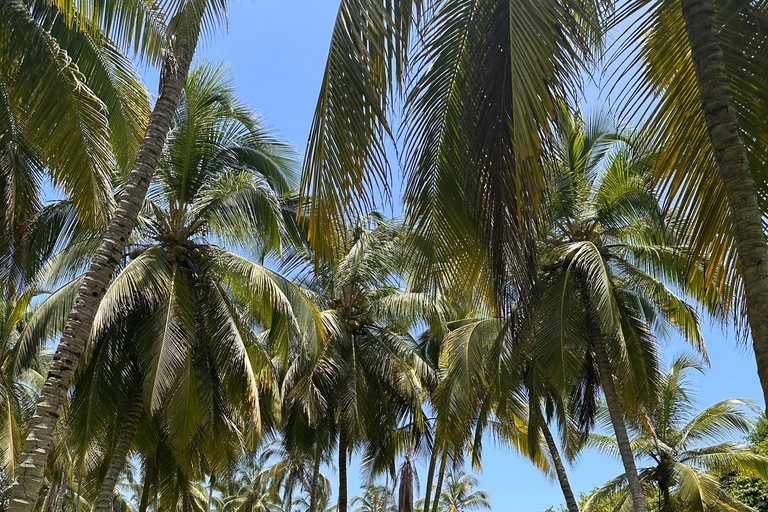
{"points": [[602, 299], [375, 498], [174, 333], [182, 32], [687, 450], [467, 398], [250, 487], [460, 494], [364, 381], [701, 63], [475, 116]]}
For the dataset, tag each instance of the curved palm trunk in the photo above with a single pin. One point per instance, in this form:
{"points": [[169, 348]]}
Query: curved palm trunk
{"points": [[562, 476], [430, 476], [612, 399], [315, 481], [343, 447], [119, 455], [175, 67], [719, 110], [149, 476], [439, 488], [617, 420]]}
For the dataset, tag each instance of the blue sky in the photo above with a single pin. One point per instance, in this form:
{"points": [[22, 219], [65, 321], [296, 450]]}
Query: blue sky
{"points": [[276, 50]]}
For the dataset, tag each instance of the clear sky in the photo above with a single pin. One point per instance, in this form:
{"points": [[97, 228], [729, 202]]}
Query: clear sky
{"points": [[277, 51]]}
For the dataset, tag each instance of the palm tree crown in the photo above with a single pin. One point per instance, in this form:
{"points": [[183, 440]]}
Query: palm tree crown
{"points": [[687, 450], [460, 494]]}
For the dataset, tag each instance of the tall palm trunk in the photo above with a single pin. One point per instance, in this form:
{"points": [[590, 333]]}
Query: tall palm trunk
{"points": [[119, 455], [666, 499], [149, 476], [730, 152], [186, 502], [175, 67], [562, 476], [430, 476], [315, 481], [439, 488], [612, 398], [343, 447], [617, 420]]}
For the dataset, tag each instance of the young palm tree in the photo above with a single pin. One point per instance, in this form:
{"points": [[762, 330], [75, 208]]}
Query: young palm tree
{"points": [[364, 381], [174, 334], [687, 450], [602, 298], [460, 494], [375, 498], [467, 399], [701, 65], [250, 488]]}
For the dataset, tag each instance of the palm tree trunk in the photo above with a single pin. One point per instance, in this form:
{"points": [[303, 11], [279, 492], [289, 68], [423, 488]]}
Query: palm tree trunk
{"points": [[343, 447], [666, 499], [430, 476], [119, 455], [562, 476], [315, 481], [186, 503], [612, 398], [730, 152], [439, 488], [149, 476], [617, 420], [177, 58]]}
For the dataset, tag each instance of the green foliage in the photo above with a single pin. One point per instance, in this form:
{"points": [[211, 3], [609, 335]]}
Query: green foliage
{"points": [[687, 450], [749, 490]]}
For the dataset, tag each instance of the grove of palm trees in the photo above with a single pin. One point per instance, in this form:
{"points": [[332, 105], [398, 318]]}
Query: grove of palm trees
{"points": [[502, 255]]}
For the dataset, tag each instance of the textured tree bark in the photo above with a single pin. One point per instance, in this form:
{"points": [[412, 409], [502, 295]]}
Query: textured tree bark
{"points": [[119, 455], [430, 476], [149, 477], [343, 446], [175, 67], [562, 476], [439, 488], [719, 109]]}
